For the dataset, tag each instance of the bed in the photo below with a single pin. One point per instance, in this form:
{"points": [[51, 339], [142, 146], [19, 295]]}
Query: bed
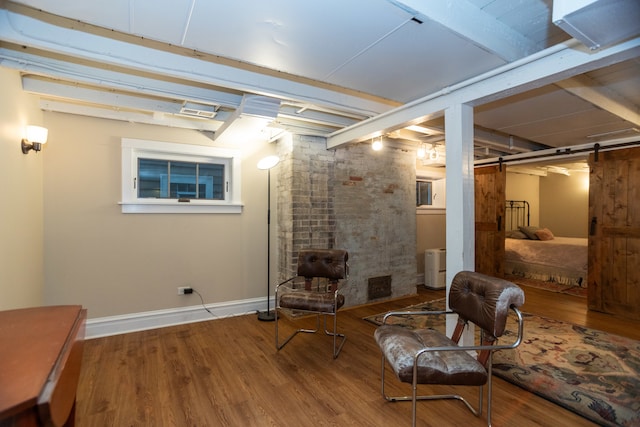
{"points": [[534, 252]]}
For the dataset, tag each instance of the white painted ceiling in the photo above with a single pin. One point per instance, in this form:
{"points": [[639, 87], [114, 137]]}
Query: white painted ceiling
{"points": [[330, 68]]}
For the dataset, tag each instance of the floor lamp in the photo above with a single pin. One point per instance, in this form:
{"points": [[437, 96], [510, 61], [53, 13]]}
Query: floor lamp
{"points": [[268, 163]]}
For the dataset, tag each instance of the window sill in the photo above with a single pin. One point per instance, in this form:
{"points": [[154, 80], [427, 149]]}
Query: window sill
{"points": [[193, 207], [430, 210]]}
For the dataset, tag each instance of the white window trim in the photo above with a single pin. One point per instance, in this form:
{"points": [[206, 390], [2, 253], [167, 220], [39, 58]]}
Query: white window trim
{"points": [[132, 149], [438, 189]]}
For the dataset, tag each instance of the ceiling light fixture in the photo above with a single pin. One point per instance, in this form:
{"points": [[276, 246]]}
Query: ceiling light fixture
{"points": [[377, 144], [36, 136], [422, 151]]}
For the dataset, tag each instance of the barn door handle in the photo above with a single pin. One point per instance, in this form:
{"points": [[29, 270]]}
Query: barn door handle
{"points": [[499, 222], [592, 227]]}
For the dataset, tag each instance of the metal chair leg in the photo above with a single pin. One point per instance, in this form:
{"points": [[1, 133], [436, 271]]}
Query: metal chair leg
{"points": [[414, 397], [296, 332], [334, 334], [336, 348]]}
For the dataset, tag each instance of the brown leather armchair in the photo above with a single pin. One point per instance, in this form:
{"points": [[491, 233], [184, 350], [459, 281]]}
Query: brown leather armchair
{"points": [[315, 290], [427, 356]]}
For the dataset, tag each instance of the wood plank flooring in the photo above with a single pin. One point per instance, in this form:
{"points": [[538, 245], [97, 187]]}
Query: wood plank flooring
{"points": [[226, 372]]}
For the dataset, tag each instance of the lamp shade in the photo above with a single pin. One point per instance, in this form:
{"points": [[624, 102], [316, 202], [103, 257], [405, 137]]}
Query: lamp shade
{"points": [[37, 134], [268, 162]]}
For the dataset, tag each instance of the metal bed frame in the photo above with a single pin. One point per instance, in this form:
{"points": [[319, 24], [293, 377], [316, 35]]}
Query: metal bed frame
{"points": [[516, 214]]}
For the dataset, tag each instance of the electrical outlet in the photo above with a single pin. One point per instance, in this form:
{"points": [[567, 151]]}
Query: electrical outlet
{"points": [[185, 290]]}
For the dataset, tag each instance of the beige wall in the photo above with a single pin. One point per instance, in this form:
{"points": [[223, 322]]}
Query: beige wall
{"points": [[431, 233], [525, 187], [114, 263], [558, 202], [21, 255], [431, 224], [564, 204]]}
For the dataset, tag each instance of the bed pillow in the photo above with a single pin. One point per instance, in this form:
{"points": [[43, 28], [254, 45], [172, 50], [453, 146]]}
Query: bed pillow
{"points": [[516, 234], [530, 232], [544, 234]]}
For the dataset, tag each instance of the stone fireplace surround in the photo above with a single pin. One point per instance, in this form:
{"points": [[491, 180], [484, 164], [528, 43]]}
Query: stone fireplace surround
{"points": [[352, 198]]}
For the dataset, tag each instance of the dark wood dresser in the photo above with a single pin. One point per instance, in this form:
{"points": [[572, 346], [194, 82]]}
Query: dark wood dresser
{"points": [[40, 360]]}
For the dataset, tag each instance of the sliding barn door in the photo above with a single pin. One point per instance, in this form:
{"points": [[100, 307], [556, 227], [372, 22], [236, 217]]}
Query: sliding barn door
{"points": [[614, 235], [489, 215]]}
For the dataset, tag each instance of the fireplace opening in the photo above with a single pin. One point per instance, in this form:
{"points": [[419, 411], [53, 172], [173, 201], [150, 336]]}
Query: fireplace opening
{"points": [[379, 287]]}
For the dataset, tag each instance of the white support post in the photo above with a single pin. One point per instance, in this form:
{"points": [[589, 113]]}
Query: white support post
{"points": [[460, 212]]}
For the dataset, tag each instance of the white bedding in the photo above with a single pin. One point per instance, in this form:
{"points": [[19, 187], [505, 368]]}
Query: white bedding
{"points": [[562, 260]]}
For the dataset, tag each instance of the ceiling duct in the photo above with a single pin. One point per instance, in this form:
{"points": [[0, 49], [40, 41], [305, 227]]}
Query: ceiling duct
{"points": [[249, 119], [259, 106], [598, 23], [194, 109]]}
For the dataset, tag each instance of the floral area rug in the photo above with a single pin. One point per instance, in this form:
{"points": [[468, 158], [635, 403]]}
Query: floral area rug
{"points": [[549, 286], [592, 373]]}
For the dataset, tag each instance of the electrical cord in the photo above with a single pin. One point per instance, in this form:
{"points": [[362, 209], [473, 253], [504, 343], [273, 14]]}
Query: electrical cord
{"points": [[203, 305]]}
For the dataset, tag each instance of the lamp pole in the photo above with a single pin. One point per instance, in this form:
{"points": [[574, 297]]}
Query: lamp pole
{"points": [[268, 163]]}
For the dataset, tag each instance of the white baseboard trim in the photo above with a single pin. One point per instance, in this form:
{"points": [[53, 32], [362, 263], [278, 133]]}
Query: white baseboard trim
{"points": [[122, 324]]}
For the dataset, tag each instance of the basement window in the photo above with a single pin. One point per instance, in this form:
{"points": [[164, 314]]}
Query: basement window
{"points": [[424, 193], [162, 177]]}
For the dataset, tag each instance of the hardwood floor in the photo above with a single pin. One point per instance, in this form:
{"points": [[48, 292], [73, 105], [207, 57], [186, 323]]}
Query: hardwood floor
{"points": [[226, 372]]}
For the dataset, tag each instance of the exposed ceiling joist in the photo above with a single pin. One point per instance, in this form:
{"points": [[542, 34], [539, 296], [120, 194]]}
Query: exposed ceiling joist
{"points": [[310, 115], [68, 41], [589, 90], [549, 66], [158, 119], [31, 63], [301, 127], [62, 90], [475, 25]]}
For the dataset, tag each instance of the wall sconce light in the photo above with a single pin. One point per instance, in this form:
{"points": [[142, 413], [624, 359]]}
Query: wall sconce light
{"points": [[36, 136], [422, 151], [377, 144]]}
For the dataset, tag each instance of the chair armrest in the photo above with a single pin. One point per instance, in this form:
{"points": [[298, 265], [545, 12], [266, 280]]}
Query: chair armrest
{"points": [[286, 281], [287, 286]]}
